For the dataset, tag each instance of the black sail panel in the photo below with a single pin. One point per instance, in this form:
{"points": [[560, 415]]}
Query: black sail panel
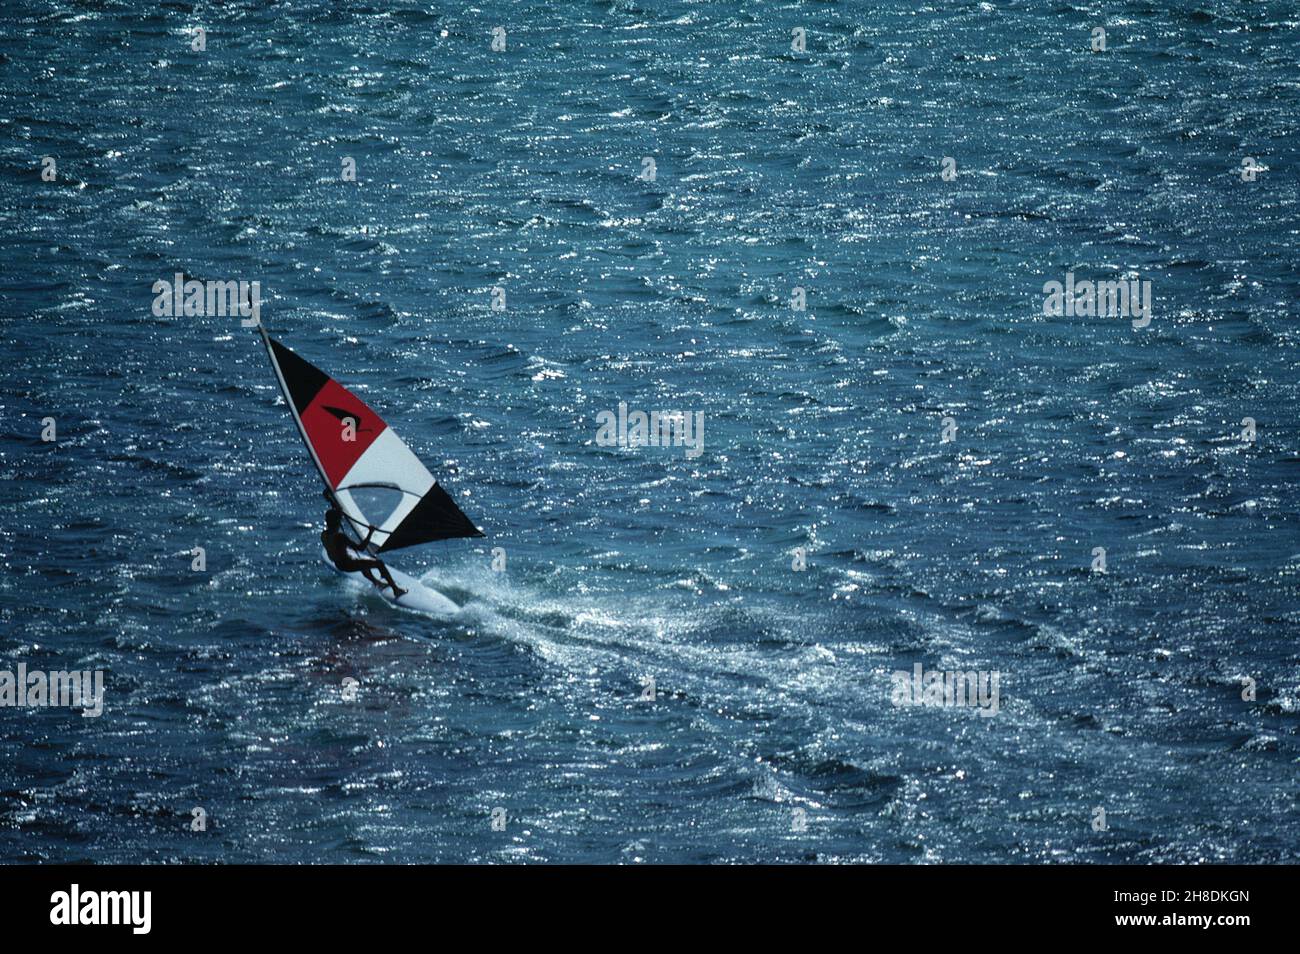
{"points": [[435, 517]]}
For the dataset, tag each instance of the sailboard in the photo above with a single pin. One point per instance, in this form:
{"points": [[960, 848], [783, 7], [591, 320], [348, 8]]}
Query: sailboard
{"points": [[388, 498]]}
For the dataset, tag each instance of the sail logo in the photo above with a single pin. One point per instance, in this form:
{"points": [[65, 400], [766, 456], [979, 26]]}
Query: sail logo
{"points": [[74, 907], [653, 429], [1099, 299], [347, 418], [39, 689], [946, 689], [211, 299]]}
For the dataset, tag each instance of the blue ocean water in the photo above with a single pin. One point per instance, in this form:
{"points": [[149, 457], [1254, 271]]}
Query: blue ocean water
{"points": [[771, 736]]}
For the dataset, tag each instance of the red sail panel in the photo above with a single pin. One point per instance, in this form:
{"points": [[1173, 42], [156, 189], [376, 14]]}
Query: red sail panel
{"points": [[340, 428]]}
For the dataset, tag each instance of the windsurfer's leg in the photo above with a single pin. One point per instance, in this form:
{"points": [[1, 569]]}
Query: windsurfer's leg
{"points": [[367, 569], [397, 590]]}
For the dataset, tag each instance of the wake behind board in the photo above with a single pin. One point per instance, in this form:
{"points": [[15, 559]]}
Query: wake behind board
{"points": [[418, 597]]}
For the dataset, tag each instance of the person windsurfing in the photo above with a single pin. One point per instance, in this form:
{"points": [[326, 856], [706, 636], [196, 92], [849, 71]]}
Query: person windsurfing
{"points": [[340, 550]]}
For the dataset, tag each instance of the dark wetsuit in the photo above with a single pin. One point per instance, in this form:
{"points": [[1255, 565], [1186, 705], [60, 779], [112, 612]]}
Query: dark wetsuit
{"points": [[339, 549]]}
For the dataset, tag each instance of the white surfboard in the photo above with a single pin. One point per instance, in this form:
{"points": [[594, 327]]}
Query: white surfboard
{"points": [[418, 597]]}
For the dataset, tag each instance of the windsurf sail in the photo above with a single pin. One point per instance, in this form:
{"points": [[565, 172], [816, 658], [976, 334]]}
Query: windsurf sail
{"points": [[356, 453]]}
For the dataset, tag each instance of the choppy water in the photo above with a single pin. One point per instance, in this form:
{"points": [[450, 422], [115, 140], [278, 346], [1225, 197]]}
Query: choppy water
{"points": [[775, 169]]}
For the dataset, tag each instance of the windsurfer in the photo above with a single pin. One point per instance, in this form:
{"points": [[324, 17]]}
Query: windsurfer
{"points": [[340, 551]]}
